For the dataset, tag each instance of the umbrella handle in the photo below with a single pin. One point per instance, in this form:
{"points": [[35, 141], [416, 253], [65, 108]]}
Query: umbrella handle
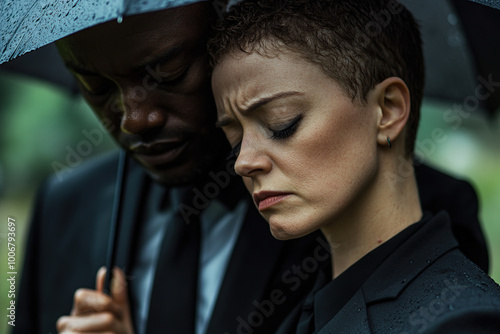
{"points": [[115, 219]]}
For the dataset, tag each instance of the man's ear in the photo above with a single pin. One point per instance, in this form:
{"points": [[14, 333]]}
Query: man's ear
{"points": [[393, 99]]}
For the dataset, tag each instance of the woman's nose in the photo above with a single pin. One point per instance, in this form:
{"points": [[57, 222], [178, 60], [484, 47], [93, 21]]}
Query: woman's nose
{"points": [[252, 160]]}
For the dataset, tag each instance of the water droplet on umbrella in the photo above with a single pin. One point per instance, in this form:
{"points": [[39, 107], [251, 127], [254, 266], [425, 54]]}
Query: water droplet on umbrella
{"points": [[428, 261], [44, 5], [411, 261], [454, 39], [119, 19], [452, 19]]}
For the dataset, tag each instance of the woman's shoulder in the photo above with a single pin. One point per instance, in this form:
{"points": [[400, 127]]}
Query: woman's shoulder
{"points": [[451, 291]]}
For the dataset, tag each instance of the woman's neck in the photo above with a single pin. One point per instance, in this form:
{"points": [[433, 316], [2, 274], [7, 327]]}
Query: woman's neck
{"points": [[383, 210]]}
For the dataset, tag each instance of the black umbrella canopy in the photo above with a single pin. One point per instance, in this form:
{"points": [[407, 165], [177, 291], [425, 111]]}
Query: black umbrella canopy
{"points": [[30, 24]]}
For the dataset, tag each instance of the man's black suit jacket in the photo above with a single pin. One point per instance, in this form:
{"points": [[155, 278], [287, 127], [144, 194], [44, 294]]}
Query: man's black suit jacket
{"points": [[67, 245], [69, 232], [426, 286]]}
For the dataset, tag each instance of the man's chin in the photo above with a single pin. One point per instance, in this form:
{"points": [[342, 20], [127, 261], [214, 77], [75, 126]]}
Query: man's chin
{"points": [[175, 176]]}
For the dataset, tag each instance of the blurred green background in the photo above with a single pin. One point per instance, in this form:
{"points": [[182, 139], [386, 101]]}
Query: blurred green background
{"points": [[40, 122]]}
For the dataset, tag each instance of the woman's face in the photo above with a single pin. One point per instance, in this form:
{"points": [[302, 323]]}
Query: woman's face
{"points": [[308, 153]]}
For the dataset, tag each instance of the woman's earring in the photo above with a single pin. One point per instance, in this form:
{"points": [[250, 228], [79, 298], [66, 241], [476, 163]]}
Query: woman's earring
{"points": [[389, 142]]}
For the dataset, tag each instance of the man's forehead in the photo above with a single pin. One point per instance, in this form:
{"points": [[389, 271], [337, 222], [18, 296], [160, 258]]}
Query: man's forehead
{"points": [[138, 38]]}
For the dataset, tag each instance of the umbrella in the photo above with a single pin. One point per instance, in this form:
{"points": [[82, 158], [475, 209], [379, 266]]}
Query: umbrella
{"points": [[30, 24]]}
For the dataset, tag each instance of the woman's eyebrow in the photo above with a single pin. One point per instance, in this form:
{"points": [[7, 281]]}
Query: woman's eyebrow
{"points": [[262, 101]]}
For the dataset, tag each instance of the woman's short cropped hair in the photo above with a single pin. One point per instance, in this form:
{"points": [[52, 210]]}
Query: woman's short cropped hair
{"points": [[357, 43]]}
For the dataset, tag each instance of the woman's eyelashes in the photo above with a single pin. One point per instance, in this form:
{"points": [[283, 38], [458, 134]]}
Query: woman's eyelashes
{"points": [[288, 130]]}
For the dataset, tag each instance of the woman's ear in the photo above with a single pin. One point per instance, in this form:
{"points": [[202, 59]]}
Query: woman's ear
{"points": [[393, 99]]}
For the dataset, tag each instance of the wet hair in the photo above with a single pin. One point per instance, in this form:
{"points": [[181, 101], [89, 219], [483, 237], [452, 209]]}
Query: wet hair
{"points": [[357, 43]]}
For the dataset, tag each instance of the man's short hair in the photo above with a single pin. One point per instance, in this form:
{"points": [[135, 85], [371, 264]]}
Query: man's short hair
{"points": [[357, 43]]}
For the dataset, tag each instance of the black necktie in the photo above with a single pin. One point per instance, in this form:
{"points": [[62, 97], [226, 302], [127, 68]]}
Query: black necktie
{"points": [[173, 298]]}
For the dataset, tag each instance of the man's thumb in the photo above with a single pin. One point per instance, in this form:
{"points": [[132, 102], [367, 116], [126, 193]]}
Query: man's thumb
{"points": [[119, 291]]}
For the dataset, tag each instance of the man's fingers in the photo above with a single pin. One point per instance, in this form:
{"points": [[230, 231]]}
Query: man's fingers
{"points": [[90, 301], [92, 323]]}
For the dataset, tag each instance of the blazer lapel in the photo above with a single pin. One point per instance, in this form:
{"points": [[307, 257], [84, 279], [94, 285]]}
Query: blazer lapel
{"points": [[247, 276], [387, 283], [352, 318]]}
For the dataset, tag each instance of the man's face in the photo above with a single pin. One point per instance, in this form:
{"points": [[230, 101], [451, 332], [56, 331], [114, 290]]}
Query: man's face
{"points": [[146, 79]]}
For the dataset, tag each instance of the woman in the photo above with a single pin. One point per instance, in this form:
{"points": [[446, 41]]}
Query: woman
{"points": [[320, 100]]}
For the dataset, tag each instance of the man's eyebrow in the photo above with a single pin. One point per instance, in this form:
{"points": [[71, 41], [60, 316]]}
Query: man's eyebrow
{"points": [[260, 102], [166, 56]]}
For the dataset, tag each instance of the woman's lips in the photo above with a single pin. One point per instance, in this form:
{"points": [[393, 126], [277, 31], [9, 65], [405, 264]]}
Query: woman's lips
{"points": [[266, 199], [160, 153]]}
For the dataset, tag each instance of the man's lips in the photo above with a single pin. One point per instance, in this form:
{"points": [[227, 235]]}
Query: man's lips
{"points": [[266, 199], [160, 152]]}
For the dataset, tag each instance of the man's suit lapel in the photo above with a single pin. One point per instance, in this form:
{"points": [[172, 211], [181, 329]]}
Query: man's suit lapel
{"points": [[133, 195], [247, 275]]}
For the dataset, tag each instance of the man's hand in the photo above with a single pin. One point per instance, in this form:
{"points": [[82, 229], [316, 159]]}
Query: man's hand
{"points": [[95, 312]]}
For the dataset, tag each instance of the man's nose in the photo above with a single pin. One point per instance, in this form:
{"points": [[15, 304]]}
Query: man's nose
{"points": [[140, 112], [252, 159]]}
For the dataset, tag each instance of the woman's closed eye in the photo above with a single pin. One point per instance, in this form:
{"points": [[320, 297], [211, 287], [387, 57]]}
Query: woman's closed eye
{"points": [[288, 130]]}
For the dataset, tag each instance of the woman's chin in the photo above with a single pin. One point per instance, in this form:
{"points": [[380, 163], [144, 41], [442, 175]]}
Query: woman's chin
{"points": [[287, 231]]}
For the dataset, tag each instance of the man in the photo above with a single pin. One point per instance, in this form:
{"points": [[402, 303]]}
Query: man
{"points": [[146, 79], [170, 131]]}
